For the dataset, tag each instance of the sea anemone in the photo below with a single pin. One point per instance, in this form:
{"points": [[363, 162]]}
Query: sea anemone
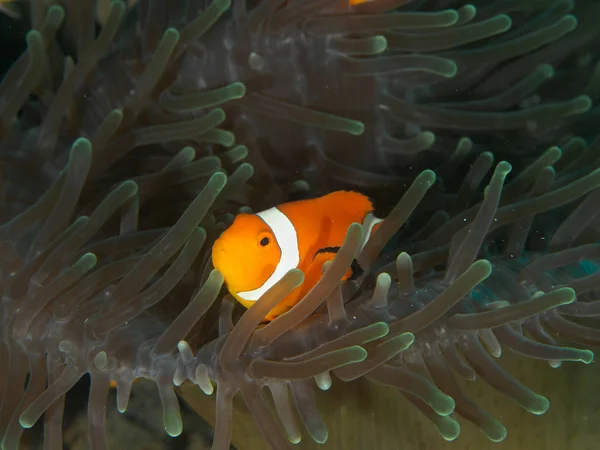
{"points": [[120, 168]]}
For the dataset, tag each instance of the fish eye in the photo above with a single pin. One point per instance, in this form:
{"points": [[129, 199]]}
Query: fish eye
{"points": [[265, 241]]}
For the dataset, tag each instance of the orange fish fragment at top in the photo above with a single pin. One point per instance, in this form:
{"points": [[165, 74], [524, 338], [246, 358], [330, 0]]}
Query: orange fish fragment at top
{"points": [[358, 2], [257, 250]]}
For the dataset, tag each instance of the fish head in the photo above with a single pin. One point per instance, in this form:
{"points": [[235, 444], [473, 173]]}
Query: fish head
{"points": [[246, 254]]}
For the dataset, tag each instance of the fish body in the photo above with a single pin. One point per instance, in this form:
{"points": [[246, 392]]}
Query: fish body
{"points": [[257, 250]]}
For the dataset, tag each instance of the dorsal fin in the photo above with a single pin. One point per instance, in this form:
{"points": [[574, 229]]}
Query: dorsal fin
{"points": [[349, 200]]}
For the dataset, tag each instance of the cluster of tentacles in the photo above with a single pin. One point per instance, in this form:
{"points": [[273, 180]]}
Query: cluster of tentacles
{"points": [[122, 170], [412, 333], [365, 97], [409, 334]]}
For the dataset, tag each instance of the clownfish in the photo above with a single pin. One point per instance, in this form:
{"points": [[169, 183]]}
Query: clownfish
{"points": [[257, 250]]}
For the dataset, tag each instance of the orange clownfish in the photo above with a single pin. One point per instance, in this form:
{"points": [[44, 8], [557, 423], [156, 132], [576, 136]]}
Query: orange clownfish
{"points": [[257, 250]]}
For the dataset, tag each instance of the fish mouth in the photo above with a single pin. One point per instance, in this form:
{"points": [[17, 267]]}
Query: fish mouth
{"points": [[218, 254], [222, 259], [219, 247]]}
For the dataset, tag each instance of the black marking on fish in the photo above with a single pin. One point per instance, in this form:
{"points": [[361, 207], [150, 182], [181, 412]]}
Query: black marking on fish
{"points": [[357, 271]]}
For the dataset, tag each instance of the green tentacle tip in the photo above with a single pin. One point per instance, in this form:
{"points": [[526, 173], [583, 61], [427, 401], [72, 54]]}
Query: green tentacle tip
{"points": [[554, 153], [218, 115], [357, 354], [114, 117], [35, 45], [427, 138], [216, 277], [448, 17], [33, 35], [129, 187], [448, 68], [355, 127], [25, 421], [568, 295], [295, 439], [586, 356], [188, 153], [466, 14], [236, 90], [379, 44], [547, 71], [405, 340], [485, 263], [321, 438], [101, 360], [225, 138], [504, 22], [448, 428], [582, 104], [380, 329], [173, 425], [170, 35], [81, 146], [442, 404], [504, 168], [465, 142], [539, 406], [427, 176], [219, 179], [55, 12], [494, 431], [355, 229], [246, 169], [217, 136], [571, 22], [87, 261], [295, 277], [237, 153]]}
